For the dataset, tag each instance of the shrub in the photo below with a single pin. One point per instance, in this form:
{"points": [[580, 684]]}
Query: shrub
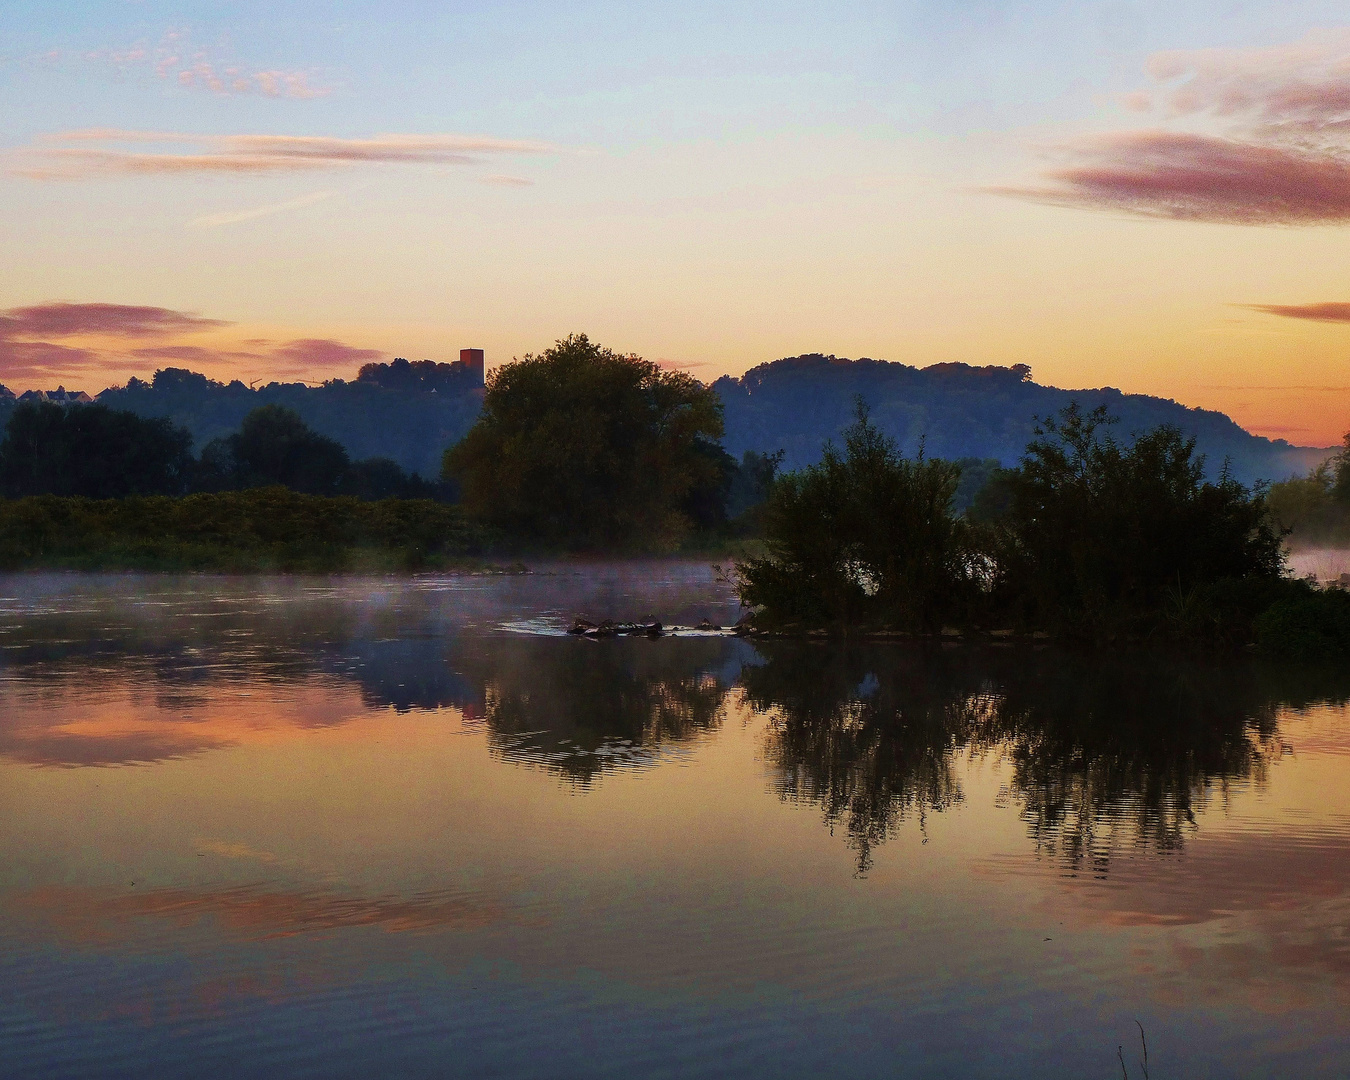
{"points": [[864, 538], [260, 529], [1098, 536], [1313, 626]]}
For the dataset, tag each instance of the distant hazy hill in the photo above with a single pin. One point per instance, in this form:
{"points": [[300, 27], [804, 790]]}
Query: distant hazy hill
{"points": [[408, 412], [962, 411], [411, 412]]}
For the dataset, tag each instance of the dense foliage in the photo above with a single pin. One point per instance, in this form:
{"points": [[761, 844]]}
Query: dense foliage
{"points": [[583, 447], [405, 412], [864, 538], [1098, 535], [261, 529], [93, 451], [100, 453], [273, 446], [1316, 508], [1087, 538]]}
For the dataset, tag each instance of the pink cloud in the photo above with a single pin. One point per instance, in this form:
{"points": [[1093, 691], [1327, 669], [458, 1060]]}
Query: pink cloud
{"points": [[1302, 86], [1283, 157], [61, 319], [29, 358], [1199, 178], [72, 155], [195, 354], [323, 352], [680, 365], [1330, 311], [176, 58], [29, 361]]}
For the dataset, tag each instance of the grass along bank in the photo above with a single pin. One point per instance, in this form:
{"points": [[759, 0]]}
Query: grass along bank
{"points": [[258, 530]]}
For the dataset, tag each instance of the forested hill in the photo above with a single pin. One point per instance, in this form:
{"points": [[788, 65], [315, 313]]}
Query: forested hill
{"points": [[960, 411], [407, 412], [412, 412]]}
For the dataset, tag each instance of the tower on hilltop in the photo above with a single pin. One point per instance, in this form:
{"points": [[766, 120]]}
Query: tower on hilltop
{"points": [[472, 359]]}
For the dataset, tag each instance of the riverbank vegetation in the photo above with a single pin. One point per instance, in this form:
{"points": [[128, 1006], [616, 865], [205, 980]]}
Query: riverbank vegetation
{"points": [[97, 452], [259, 530], [1089, 539], [580, 449], [1315, 509]]}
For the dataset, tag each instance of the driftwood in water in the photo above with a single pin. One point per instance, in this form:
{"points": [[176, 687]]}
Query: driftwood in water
{"points": [[583, 627]]}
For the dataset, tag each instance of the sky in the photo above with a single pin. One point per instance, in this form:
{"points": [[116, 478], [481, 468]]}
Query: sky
{"points": [[1148, 194]]}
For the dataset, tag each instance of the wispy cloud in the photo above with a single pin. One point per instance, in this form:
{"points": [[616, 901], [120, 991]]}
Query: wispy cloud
{"points": [[200, 355], [507, 181], [74, 155], [45, 344], [28, 354], [1331, 311], [1275, 149], [62, 319], [1300, 87], [680, 365], [307, 353], [234, 217], [177, 59], [25, 362], [1193, 177]]}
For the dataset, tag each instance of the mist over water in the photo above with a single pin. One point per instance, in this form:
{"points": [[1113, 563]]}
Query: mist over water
{"points": [[358, 827]]}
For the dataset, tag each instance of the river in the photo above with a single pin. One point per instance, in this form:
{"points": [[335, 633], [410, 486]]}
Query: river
{"points": [[408, 827]]}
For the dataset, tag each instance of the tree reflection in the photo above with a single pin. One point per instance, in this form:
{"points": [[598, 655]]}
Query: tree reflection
{"points": [[1104, 752], [1123, 751], [867, 734], [581, 707]]}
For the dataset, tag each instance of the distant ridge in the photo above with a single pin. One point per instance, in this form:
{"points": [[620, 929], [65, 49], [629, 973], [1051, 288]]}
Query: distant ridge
{"points": [[958, 410], [412, 412]]}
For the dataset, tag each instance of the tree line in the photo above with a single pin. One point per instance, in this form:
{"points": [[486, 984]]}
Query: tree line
{"points": [[1088, 539], [97, 452], [582, 448]]}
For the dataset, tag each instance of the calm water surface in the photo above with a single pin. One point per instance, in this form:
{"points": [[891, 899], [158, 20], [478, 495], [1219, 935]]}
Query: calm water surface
{"points": [[405, 828]]}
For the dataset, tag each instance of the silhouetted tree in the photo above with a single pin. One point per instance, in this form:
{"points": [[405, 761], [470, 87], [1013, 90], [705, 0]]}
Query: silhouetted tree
{"points": [[866, 537], [274, 446], [1099, 536], [1341, 464], [752, 482], [91, 450], [585, 447]]}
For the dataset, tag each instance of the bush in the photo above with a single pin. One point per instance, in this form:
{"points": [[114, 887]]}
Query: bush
{"points": [[1099, 538], [866, 538], [1314, 626]]}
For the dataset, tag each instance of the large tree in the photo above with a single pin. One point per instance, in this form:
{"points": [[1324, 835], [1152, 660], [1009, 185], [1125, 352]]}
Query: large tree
{"points": [[275, 447], [91, 450], [587, 448]]}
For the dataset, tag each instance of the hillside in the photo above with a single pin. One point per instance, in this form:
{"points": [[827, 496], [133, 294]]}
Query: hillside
{"points": [[411, 412], [960, 411], [390, 410]]}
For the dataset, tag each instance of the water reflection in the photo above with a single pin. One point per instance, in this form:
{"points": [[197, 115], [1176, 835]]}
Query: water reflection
{"points": [[580, 707], [1106, 753], [1103, 754], [329, 790]]}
